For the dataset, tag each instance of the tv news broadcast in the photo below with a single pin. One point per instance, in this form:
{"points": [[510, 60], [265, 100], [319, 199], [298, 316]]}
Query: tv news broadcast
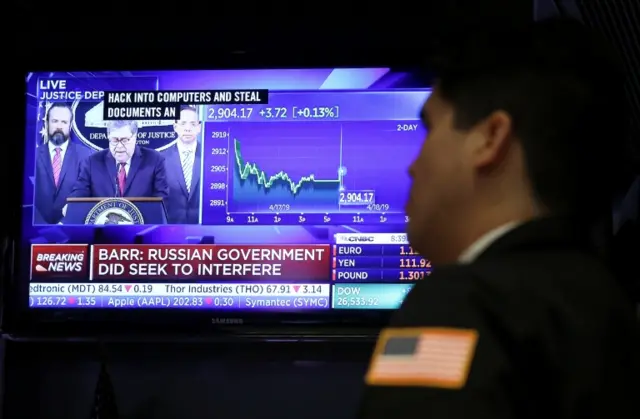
{"points": [[221, 190]]}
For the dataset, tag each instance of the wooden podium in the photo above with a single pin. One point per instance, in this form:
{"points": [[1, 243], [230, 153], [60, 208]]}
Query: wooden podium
{"points": [[115, 211]]}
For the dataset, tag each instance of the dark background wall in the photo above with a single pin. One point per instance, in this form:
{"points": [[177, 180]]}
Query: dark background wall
{"points": [[162, 380]]}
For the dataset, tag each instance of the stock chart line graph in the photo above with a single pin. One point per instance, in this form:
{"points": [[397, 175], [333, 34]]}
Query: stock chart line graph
{"points": [[250, 173], [318, 167], [311, 172], [280, 167]]}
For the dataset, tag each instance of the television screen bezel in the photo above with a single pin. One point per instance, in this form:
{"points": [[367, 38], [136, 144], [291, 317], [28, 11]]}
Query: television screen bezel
{"points": [[18, 317]]}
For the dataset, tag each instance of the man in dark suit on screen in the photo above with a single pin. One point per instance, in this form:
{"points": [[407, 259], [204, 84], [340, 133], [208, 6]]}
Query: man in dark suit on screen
{"points": [[122, 170], [57, 162], [183, 170]]}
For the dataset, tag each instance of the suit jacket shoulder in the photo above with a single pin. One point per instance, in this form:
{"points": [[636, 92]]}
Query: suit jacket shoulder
{"points": [[150, 155], [544, 309], [99, 155], [80, 150], [448, 290], [523, 290], [169, 150]]}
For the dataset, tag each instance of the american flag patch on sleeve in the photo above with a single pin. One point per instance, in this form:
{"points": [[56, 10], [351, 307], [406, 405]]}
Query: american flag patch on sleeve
{"points": [[425, 357]]}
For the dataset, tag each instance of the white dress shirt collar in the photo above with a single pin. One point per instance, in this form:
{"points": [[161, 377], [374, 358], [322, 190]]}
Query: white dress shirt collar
{"points": [[483, 243], [182, 147], [127, 166], [62, 147]]}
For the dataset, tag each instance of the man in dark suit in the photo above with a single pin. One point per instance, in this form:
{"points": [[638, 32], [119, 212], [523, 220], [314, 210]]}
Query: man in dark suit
{"points": [[57, 162], [521, 318], [183, 169], [122, 170]]}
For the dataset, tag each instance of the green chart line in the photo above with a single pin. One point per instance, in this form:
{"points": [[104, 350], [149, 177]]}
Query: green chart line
{"points": [[246, 170]]}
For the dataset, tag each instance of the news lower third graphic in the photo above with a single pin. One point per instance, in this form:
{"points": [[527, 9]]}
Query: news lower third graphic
{"points": [[154, 105], [131, 98], [358, 271], [145, 105], [355, 257], [88, 106]]}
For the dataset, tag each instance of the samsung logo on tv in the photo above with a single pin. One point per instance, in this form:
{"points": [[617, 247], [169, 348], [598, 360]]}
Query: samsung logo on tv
{"points": [[226, 320]]}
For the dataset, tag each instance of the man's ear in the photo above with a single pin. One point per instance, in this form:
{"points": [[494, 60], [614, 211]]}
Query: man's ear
{"points": [[490, 139]]}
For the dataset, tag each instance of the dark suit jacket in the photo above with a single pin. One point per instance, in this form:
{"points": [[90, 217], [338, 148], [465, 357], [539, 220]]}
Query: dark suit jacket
{"points": [[557, 337], [146, 177], [49, 200], [182, 207]]}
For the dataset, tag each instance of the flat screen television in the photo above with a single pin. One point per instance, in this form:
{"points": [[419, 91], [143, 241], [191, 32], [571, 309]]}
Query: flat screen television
{"points": [[248, 195]]}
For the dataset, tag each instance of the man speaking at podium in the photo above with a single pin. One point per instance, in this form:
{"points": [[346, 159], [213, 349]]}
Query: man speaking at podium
{"points": [[122, 170]]}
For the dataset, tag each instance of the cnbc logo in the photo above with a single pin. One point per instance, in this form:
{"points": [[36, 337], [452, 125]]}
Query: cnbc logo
{"points": [[91, 129], [59, 260]]}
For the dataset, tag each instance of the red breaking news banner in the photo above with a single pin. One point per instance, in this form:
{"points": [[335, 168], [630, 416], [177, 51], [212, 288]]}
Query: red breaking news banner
{"points": [[60, 261], [220, 262]]}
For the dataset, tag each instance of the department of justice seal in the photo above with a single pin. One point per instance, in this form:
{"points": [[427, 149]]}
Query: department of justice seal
{"points": [[114, 211], [91, 129]]}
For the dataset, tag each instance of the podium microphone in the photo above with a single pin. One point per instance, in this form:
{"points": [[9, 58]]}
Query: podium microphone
{"points": [[117, 188]]}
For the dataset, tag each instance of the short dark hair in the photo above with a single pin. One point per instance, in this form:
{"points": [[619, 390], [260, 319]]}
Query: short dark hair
{"points": [[191, 108], [564, 90], [117, 124], [62, 105]]}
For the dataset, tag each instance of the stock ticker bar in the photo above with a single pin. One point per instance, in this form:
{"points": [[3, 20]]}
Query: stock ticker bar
{"points": [[246, 296], [184, 302]]}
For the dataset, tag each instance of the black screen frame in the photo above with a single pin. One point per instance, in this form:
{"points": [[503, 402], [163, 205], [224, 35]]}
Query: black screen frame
{"points": [[20, 319]]}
